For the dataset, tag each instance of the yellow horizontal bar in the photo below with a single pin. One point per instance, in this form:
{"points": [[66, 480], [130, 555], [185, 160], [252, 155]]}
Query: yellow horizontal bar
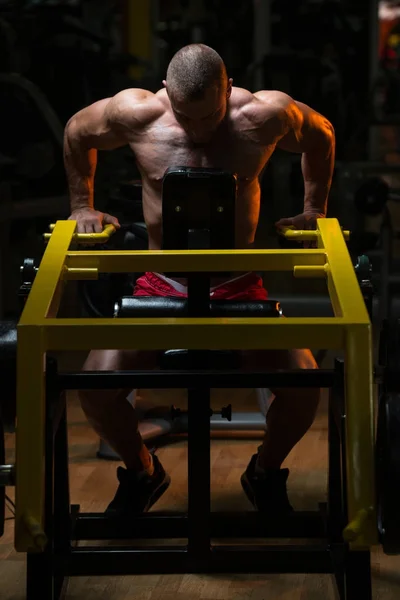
{"points": [[306, 272], [87, 238], [129, 261], [306, 235], [159, 334], [72, 274]]}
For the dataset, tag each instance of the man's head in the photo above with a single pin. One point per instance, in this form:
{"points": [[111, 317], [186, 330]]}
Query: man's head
{"points": [[198, 88]]}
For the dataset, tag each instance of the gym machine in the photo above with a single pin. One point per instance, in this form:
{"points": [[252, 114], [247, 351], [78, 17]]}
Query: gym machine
{"points": [[359, 513]]}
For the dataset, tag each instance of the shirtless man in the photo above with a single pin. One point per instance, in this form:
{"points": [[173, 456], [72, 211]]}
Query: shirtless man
{"points": [[198, 119]]}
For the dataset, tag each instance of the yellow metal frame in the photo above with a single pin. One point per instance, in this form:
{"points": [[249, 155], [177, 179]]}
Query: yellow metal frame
{"points": [[39, 331]]}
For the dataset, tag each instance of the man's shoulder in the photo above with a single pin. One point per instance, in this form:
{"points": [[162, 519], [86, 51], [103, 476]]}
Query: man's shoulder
{"points": [[275, 99], [135, 106], [260, 106]]}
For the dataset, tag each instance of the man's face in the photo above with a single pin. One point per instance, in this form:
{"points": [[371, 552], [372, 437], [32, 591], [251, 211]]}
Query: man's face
{"points": [[201, 118]]}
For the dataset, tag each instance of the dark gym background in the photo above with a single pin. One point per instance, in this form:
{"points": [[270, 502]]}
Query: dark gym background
{"points": [[341, 57]]}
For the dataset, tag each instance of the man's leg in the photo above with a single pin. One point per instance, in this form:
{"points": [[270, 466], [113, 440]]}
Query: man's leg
{"points": [[110, 413], [115, 420], [292, 412], [289, 417]]}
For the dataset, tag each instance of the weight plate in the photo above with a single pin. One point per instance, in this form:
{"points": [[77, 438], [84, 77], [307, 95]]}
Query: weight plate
{"points": [[388, 472]]}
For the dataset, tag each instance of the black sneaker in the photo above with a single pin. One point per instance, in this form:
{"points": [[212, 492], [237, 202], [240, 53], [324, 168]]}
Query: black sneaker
{"points": [[137, 493], [266, 492]]}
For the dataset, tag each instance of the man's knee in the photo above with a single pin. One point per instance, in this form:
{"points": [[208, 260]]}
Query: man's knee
{"points": [[300, 359], [120, 360], [112, 360], [303, 359]]}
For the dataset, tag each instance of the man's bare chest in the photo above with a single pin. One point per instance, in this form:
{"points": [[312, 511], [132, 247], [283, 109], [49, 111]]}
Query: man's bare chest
{"points": [[235, 153]]}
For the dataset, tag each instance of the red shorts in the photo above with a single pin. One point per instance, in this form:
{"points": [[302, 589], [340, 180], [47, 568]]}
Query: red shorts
{"points": [[245, 287]]}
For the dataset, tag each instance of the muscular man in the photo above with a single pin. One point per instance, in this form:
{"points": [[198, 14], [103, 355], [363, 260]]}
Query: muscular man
{"points": [[199, 119]]}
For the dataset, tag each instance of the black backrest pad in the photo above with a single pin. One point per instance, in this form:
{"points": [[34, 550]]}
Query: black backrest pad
{"points": [[198, 209]]}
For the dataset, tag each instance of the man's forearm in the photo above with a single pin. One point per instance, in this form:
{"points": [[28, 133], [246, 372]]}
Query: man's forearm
{"points": [[317, 167], [80, 166]]}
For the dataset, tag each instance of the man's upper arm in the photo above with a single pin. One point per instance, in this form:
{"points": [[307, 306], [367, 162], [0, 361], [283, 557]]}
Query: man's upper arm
{"points": [[109, 123], [296, 127]]}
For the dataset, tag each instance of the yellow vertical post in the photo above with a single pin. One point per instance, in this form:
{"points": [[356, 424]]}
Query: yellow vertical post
{"points": [[30, 440], [348, 303], [362, 528], [42, 302], [138, 29]]}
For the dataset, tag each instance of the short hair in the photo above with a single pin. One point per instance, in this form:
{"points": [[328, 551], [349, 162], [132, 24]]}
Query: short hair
{"points": [[192, 70]]}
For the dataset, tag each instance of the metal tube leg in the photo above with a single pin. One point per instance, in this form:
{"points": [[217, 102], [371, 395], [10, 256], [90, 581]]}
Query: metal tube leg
{"points": [[39, 581], [358, 575], [199, 473], [336, 514], [62, 516], [335, 475]]}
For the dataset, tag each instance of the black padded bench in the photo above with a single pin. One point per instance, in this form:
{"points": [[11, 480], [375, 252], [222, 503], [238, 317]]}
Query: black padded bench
{"points": [[178, 359]]}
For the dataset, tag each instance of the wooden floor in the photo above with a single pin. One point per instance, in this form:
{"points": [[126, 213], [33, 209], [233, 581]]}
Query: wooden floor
{"points": [[93, 484]]}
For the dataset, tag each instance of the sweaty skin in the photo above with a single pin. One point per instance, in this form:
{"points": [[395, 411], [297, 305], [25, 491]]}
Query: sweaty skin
{"points": [[239, 137]]}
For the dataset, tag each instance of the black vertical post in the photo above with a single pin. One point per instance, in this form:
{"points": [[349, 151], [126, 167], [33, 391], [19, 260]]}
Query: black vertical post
{"points": [[336, 516], [335, 475], [198, 213], [358, 575], [199, 473], [62, 513], [199, 420]]}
